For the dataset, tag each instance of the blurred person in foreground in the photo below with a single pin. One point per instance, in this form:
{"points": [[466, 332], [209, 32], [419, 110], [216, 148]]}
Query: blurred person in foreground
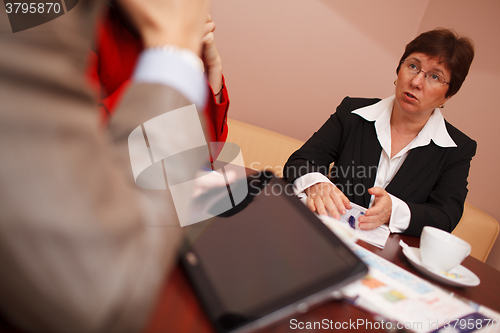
{"points": [[398, 156], [78, 248], [114, 57]]}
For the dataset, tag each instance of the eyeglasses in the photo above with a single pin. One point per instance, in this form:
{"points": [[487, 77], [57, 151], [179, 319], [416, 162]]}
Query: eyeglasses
{"points": [[432, 78]]}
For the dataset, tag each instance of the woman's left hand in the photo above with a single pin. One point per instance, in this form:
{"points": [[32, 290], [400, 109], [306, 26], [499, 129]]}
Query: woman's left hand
{"points": [[380, 211], [211, 58]]}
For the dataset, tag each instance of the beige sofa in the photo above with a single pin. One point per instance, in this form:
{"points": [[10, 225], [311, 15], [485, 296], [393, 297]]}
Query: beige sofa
{"points": [[263, 149]]}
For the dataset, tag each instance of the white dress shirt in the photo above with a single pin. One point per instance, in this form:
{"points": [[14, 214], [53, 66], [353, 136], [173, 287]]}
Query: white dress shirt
{"points": [[177, 68], [380, 114]]}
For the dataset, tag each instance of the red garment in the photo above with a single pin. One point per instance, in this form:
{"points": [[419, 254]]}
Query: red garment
{"points": [[112, 65]]}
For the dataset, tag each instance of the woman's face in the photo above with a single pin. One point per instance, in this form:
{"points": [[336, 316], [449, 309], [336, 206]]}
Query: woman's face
{"points": [[415, 97]]}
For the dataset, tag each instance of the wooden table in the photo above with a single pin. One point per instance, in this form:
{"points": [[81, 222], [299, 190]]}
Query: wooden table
{"points": [[180, 311]]}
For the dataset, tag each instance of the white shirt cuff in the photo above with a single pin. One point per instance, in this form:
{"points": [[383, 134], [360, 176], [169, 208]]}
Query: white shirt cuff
{"points": [[176, 68], [400, 215], [308, 180]]}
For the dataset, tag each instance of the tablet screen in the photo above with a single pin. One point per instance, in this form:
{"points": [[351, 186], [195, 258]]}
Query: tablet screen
{"points": [[266, 255]]}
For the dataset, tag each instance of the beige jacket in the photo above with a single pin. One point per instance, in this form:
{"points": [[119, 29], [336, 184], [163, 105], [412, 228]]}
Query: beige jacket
{"points": [[82, 248]]}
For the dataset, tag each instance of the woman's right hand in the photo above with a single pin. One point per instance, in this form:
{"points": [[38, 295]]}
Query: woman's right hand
{"points": [[326, 198]]}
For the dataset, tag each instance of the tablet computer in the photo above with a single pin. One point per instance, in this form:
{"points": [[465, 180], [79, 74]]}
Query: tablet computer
{"points": [[265, 259]]}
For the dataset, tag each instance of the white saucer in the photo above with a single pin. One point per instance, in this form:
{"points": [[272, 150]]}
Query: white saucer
{"points": [[458, 276]]}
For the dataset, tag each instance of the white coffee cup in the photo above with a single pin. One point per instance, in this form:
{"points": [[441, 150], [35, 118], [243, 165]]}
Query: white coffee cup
{"points": [[441, 250]]}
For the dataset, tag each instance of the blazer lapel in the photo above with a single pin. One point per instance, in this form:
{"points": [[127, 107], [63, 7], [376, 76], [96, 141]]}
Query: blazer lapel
{"points": [[417, 166], [370, 157]]}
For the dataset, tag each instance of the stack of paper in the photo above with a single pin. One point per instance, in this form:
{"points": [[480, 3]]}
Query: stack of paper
{"points": [[411, 303]]}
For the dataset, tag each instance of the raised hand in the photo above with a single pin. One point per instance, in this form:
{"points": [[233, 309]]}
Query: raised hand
{"points": [[174, 22]]}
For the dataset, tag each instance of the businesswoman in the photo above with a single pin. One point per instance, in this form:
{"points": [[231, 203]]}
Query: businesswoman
{"points": [[398, 156]]}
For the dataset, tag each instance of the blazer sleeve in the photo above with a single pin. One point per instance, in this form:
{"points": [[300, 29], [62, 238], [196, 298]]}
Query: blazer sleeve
{"points": [[216, 114], [321, 149], [81, 246], [344, 138]]}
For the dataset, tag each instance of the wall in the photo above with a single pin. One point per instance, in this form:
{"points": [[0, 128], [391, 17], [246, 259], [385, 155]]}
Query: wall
{"points": [[289, 63]]}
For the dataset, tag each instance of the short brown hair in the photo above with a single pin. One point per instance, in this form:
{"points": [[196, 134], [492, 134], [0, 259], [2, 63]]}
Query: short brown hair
{"points": [[454, 51]]}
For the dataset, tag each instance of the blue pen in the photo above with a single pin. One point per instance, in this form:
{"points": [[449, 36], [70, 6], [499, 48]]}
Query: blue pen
{"points": [[352, 222]]}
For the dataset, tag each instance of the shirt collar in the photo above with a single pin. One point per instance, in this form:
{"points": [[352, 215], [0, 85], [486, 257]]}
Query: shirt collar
{"points": [[434, 129]]}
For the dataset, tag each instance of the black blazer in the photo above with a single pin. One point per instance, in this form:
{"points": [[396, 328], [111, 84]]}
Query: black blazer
{"points": [[432, 179]]}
